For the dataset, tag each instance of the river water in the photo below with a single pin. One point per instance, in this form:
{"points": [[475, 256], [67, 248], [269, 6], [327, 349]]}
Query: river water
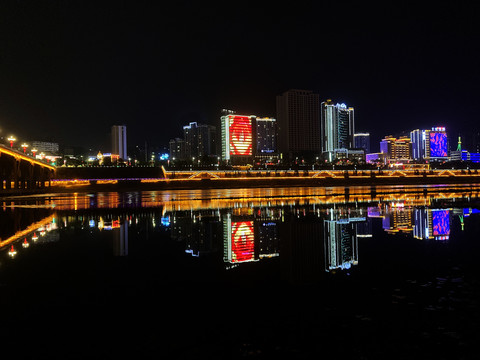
{"points": [[256, 273]]}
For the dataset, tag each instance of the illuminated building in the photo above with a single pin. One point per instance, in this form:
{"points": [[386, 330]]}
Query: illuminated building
{"points": [[422, 223], [46, 147], [362, 141], [268, 238], [437, 144], [119, 141], [337, 128], [199, 140], [397, 219], [341, 246], [396, 149], [298, 115], [237, 138], [177, 149], [239, 240], [266, 138], [441, 224], [429, 144]]}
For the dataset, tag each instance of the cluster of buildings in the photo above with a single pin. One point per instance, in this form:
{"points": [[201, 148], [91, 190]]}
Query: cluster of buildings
{"points": [[306, 129]]}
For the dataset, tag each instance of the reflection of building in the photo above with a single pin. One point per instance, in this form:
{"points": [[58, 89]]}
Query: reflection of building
{"points": [[337, 128], [298, 115], [237, 139], [119, 140], [341, 246], [441, 224], [422, 224], [120, 239], [268, 238], [239, 240], [398, 219]]}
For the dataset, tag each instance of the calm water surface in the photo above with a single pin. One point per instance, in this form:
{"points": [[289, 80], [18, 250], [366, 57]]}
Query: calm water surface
{"points": [[257, 273]]}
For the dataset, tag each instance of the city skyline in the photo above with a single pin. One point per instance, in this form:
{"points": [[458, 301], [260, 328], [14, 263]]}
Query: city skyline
{"points": [[71, 70]]}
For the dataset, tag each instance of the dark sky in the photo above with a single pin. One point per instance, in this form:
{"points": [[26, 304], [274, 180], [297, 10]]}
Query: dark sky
{"points": [[71, 69]]}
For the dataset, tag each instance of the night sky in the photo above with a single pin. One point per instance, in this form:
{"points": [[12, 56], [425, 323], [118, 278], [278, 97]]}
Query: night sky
{"points": [[71, 69]]}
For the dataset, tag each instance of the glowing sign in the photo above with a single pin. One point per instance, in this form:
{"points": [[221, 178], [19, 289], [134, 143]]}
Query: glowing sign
{"points": [[438, 144], [240, 135], [441, 222], [243, 242]]}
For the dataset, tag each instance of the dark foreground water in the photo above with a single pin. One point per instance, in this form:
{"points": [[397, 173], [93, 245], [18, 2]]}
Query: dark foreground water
{"points": [[259, 273]]}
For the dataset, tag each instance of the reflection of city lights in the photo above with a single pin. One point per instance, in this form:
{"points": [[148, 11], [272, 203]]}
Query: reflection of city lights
{"points": [[25, 243], [34, 237]]}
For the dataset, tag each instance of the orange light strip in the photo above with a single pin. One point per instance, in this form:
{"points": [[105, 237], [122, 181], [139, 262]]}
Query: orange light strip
{"points": [[25, 232], [24, 157]]}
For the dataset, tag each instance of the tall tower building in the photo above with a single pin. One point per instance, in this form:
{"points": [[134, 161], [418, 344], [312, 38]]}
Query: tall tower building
{"points": [[298, 115], [266, 137], [237, 138], [199, 140], [337, 128], [119, 141]]}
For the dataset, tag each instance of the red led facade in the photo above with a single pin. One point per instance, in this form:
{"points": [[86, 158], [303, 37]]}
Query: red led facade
{"points": [[243, 241], [240, 135]]}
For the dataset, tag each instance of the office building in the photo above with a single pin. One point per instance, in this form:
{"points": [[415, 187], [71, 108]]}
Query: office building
{"points": [[396, 149], [237, 138], [362, 141], [298, 116], [177, 149], [337, 128], [199, 140], [430, 144], [119, 141], [266, 138], [45, 147]]}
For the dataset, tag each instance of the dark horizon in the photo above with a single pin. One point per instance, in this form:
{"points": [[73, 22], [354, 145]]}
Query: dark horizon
{"points": [[71, 70]]}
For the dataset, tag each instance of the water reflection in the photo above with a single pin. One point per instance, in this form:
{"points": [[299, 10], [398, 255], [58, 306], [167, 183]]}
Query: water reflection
{"points": [[318, 231]]}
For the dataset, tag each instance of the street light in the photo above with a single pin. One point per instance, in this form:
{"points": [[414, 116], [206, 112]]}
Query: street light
{"points": [[24, 146], [34, 151], [11, 139]]}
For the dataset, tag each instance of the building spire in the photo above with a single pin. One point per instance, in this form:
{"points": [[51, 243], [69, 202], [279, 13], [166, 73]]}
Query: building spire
{"points": [[459, 146]]}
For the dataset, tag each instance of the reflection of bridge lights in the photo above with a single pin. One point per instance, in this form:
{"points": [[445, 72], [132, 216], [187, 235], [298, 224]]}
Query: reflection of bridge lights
{"points": [[12, 252], [34, 237], [25, 243]]}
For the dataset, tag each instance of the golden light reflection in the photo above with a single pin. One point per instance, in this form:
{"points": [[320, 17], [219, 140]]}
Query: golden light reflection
{"points": [[27, 231], [178, 200]]}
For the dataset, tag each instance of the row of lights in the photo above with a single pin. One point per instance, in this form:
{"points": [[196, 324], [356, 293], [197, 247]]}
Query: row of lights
{"points": [[12, 139]]}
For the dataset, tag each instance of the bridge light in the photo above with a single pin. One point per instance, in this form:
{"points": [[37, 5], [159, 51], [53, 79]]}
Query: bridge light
{"points": [[34, 152], [11, 139], [24, 146]]}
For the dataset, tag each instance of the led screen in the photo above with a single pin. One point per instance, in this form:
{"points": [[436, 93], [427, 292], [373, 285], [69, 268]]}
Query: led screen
{"points": [[243, 241], [441, 222], [438, 144], [240, 135]]}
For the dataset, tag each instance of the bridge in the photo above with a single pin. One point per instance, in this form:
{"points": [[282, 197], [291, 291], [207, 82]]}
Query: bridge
{"points": [[20, 173]]}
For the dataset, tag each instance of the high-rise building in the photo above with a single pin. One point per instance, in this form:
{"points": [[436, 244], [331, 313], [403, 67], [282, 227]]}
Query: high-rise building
{"points": [[177, 149], [199, 140], [362, 141], [337, 128], [298, 115], [266, 137], [237, 138], [119, 141], [430, 144], [396, 149]]}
